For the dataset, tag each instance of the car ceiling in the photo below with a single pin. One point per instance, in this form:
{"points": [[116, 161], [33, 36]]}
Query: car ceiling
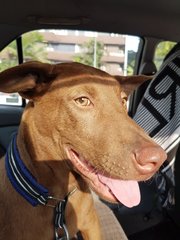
{"points": [[159, 19]]}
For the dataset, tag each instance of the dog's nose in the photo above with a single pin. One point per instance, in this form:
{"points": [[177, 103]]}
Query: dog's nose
{"points": [[149, 159]]}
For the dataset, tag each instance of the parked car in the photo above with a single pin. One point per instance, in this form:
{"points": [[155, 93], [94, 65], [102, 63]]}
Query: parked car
{"points": [[122, 38]]}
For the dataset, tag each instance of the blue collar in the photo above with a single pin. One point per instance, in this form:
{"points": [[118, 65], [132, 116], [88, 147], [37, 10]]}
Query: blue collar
{"points": [[22, 180], [36, 194]]}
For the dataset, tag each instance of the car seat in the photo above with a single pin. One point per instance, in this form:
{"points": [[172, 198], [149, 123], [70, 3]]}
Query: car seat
{"points": [[158, 112]]}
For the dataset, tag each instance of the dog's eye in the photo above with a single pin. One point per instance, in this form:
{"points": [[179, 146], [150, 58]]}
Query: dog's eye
{"points": [[83, 101]]}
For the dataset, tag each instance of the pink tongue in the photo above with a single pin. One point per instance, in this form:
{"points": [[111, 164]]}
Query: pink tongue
{"points": [[127, 192]]}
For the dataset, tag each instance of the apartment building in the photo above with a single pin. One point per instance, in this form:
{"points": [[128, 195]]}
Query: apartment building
{"points": [[63, 45]]}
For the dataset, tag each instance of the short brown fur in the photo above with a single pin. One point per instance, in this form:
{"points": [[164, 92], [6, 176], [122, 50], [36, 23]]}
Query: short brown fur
{"points": [[102, 132]]}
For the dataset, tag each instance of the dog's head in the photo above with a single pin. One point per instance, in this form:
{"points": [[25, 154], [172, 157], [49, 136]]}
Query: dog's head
{"points": [[83, 111]]}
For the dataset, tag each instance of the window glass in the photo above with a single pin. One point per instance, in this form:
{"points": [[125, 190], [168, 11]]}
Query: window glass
{"points": [[161, 51], [9, 58], [111, 52], [10, 99], [34, 46]]}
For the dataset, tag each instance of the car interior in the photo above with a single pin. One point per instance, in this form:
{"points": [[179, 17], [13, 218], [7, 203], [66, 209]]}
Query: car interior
{"points": [[153, 22]]}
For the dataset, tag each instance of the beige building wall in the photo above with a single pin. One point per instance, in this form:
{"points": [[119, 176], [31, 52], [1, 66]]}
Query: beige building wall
{"points": [[63, 45]]}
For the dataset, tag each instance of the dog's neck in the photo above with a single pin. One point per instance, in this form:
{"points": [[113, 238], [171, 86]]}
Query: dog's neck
{"points": [[50, 170], [35, 193]]}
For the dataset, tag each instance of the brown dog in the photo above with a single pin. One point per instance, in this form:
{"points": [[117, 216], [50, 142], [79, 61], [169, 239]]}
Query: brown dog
{"points": [[74, 133]]}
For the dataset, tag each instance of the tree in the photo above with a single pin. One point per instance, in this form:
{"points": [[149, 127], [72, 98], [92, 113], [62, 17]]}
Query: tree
{"points": [[89, 51], [8, 57], [131, 62], [33, 49], [161, 51]]}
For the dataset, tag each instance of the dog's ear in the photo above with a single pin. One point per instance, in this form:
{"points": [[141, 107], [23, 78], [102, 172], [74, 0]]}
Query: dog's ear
{"points": [[28, 79], [130, 83]]}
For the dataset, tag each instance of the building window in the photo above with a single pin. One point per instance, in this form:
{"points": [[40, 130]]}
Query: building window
{"points": [[62, 47]]}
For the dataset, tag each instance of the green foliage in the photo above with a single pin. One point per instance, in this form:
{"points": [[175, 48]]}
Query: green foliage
{"points": [[131, 62], [33, 49], [161, 51], [88, 53], [8, 57]]}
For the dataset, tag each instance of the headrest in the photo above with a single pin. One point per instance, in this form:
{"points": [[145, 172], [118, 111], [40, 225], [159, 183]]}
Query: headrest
{"points": [[159, 112]]}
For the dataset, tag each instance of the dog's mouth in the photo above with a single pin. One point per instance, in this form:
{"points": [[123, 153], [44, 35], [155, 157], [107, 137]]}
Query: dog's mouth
{"points": [[113, 190]]}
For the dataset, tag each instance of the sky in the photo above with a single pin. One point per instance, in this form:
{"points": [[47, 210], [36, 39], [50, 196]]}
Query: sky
{"points": [[132, 43]]}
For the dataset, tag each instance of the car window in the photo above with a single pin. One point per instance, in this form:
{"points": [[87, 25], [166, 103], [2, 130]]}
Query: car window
{"points": [[161, 51], [111, 52], [9, 58]]}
